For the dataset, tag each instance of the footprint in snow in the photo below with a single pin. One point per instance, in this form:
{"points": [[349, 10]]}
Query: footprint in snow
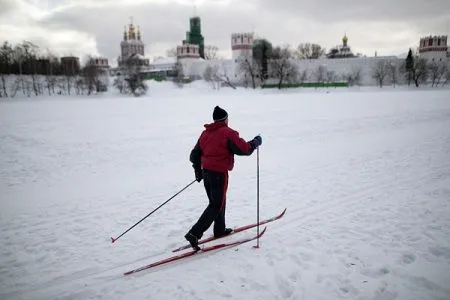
{"points": [[439, 251], [348, 291], [285, 286], [408, 258], [375, 273]]}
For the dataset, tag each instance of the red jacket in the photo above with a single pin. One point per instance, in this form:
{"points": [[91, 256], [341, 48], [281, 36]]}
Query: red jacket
{"points": [[216, 147]]}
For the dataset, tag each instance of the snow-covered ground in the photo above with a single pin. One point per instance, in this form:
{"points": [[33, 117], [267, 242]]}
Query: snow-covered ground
{"points": [[364, 175]]}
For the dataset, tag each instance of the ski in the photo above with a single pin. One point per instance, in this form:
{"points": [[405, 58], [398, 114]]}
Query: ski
{"points": [[193, 252], [235, 230]]}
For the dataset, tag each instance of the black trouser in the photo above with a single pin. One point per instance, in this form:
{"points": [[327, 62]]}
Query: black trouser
{"points": [[216, 184]]}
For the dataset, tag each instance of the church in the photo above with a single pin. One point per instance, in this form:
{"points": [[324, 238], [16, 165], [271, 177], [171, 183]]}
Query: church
{"points": [[132, 48], [190, 53]]}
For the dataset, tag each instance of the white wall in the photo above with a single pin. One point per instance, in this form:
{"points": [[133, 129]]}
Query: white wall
{"points": [[341, 67], [344, 66]]}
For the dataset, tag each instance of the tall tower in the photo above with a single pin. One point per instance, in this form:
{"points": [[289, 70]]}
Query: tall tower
{"points": [[345, 40], [194, 35], [132, 45], [241, 52], [241, 44], [433, 48]]}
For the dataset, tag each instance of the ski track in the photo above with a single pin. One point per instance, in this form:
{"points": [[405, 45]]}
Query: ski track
{"points": [[362, 222]]}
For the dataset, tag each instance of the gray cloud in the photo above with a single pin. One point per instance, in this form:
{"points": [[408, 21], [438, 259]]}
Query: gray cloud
{"points": [[379, 26], [163, 26], [356, 10], [7, 6]]}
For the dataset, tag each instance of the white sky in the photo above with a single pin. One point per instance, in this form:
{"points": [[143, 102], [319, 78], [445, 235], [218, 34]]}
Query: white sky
{"points": [[81, 27]]}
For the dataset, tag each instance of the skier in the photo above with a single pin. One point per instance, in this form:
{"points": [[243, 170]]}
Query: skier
{"points": [[212, 157]]}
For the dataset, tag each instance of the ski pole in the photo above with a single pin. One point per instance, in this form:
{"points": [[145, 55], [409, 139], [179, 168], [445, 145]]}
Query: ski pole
{"points": [[115, 239], [257, 196]]}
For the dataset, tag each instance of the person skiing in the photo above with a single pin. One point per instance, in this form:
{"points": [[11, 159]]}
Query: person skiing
{"points": [[212, 157]]}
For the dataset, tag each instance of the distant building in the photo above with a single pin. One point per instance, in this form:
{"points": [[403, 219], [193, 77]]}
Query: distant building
{"points": [[188, 51], [434, 48], [335, 66], [341, 51], [100, 63], [194, 37], [241, 50], [70, 65], [99, 68], [132, 47]]}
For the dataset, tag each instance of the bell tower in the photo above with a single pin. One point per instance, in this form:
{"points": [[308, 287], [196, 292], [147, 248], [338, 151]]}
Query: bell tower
{"points": [[132, 44], [194, 35]]}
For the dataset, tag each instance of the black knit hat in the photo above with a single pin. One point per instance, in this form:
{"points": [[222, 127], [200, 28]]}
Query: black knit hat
{"points": [[219, 114]]}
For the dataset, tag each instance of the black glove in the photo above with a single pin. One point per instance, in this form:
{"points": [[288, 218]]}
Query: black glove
{"points": [[256, 142], [198, 174]]}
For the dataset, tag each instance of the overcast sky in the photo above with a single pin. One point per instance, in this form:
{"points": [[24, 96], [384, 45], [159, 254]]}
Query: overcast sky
{"points": [[80, 27]]}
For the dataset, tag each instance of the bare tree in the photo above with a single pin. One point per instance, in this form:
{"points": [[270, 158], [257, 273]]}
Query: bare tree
{"points": [[380, 71], [131, 82], [179, 74], [353, 77], [91, 76], [303, 76], [6, 53], [393, 73], [282, 66], [226, 80], [331, 76], [70, 72], [19, 58], [309, 51], [30, 52], [51, 70], [420, 71], [248, 67], [437, 72], [136, 84], [211, 52], [320, 74], [79, 86], [446, 76], [211, 75]]}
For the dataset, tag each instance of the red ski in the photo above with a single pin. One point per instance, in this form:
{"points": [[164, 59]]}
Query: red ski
{"points": [[235, 230], [193, 252]]}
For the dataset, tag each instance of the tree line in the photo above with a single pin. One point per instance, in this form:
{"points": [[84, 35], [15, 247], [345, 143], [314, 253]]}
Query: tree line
{"points": [[413, 70], [28, 70]]}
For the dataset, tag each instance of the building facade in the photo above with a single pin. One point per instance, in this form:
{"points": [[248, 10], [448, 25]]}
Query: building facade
{"points": [[434, 48], [70, 65], [194, 36], [341, 51], [339, 64], [132, 47]]}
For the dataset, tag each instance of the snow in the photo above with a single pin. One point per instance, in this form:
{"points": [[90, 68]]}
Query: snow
{"points": [[364, 175]]}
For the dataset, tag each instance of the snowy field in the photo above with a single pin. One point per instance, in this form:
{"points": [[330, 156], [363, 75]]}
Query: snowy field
{"points": [[364, 175]]}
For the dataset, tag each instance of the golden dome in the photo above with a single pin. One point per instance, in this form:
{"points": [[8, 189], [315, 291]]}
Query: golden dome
{"points": [[345, 40]]}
